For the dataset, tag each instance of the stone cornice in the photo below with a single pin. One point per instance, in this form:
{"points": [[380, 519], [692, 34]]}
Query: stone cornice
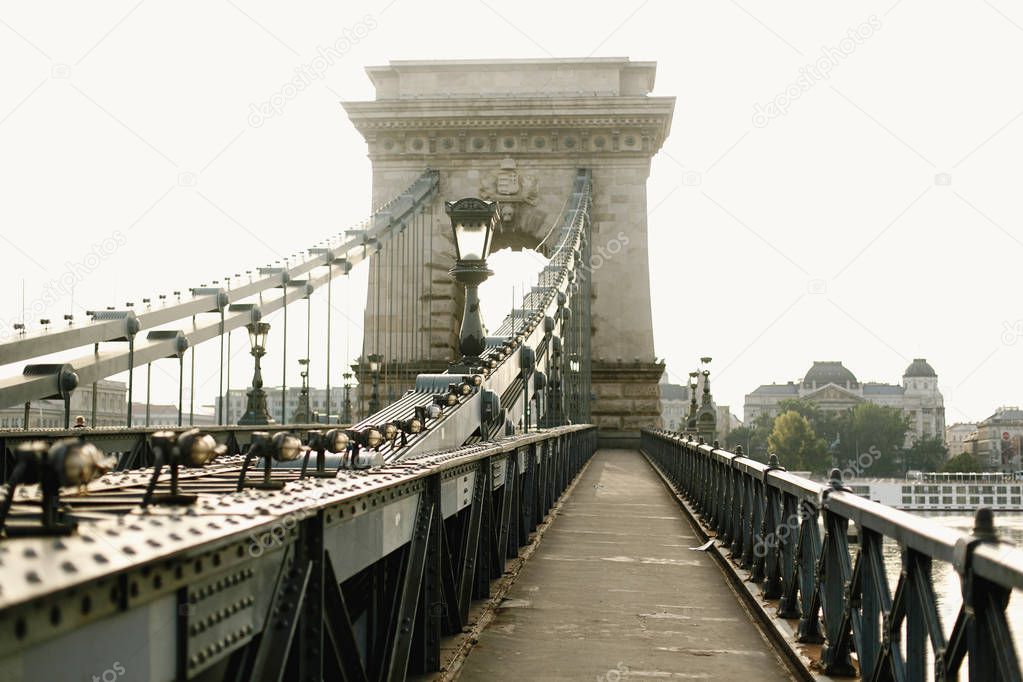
{"points": [[626, 372], [539, 125]]}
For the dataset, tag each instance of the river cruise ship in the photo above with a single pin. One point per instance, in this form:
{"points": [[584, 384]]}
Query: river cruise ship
{"points": [[945, 492]]}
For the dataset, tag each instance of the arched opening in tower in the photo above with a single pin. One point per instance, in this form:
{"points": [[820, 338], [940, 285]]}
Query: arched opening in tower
{"points": [[515, 271]]}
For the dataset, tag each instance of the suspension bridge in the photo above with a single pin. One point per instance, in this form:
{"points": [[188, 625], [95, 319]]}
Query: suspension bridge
{"points": [[502, 504]]}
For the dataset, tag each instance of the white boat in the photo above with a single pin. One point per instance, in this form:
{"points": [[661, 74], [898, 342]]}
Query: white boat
{"points": [[945, 492]]}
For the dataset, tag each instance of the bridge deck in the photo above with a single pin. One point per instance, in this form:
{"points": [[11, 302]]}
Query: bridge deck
{"points": [[614, 592]]}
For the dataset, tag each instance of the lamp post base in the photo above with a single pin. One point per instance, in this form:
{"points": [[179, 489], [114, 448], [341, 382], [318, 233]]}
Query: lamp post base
{"points": [[256, 413]]}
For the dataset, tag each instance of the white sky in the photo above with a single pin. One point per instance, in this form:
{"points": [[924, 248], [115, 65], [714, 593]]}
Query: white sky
{"points": [[108, 113]]}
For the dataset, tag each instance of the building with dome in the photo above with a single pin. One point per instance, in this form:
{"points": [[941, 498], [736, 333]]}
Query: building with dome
{"points": [[832, 386]]}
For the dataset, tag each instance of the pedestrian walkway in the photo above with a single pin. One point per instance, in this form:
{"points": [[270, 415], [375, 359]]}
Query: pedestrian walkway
{"points": [[614, 592]]}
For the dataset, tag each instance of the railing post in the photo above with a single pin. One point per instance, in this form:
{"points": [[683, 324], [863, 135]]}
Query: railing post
{"points": [[748, 527], [833, 579], [759, 530], [992, 655], [808, 550], [775, 527], [788, 605]]}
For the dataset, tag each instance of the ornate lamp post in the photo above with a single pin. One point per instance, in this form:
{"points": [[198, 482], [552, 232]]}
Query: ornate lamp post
{"points": [[303, 415], [690, 421], [255, 409], [346, 413], [472, 221], [374, 361], [573, 370]]}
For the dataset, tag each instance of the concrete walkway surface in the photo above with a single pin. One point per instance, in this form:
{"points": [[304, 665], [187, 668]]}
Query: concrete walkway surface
{"points": [[614, 592]]}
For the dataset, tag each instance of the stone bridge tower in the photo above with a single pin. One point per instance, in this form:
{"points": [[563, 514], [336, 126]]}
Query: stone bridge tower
{"points": [[516, 131]]}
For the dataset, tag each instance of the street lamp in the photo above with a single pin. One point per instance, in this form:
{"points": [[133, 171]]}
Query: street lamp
{"points": [[374, 361], [346, 414], [472, 222], [255, 409], [303, 414], [573, 371], [693, 407]]}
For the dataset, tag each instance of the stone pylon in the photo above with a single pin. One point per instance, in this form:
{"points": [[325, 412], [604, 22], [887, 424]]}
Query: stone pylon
{"points": [[516, 131]]}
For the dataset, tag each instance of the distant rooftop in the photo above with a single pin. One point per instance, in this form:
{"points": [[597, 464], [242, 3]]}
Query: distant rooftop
{"points": [[777, 389], [875, 388], [829, 372], [919, 368], [1005, 414]]}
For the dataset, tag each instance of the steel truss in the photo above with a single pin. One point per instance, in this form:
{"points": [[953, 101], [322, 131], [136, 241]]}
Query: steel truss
{"points": [[354, 578]]}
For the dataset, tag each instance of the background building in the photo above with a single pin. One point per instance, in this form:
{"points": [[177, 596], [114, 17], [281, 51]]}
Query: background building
{"points": [[237, 399], [675, 408], [957, 437], [111, 408], [831, 386], [999, 440], [167, 415]]}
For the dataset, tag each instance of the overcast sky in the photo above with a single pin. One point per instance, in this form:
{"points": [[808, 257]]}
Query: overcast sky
{"points": [[840, 182]]}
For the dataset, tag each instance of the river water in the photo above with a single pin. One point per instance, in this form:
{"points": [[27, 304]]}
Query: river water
{"points": [[946, 580]]}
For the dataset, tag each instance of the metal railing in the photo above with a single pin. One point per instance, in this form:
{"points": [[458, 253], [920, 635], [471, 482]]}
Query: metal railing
{"points": [[791, 534]]}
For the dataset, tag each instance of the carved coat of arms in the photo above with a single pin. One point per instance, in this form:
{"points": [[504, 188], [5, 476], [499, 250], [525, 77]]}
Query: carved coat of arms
{"points": [[516, 195], [507, 185]]}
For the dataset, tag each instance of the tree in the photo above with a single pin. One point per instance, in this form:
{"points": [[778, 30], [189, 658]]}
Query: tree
{"points": [[963, 463], [825, 423], [740, 437], [796, 444], [927, 454], [872, 437], [752, 437]]}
